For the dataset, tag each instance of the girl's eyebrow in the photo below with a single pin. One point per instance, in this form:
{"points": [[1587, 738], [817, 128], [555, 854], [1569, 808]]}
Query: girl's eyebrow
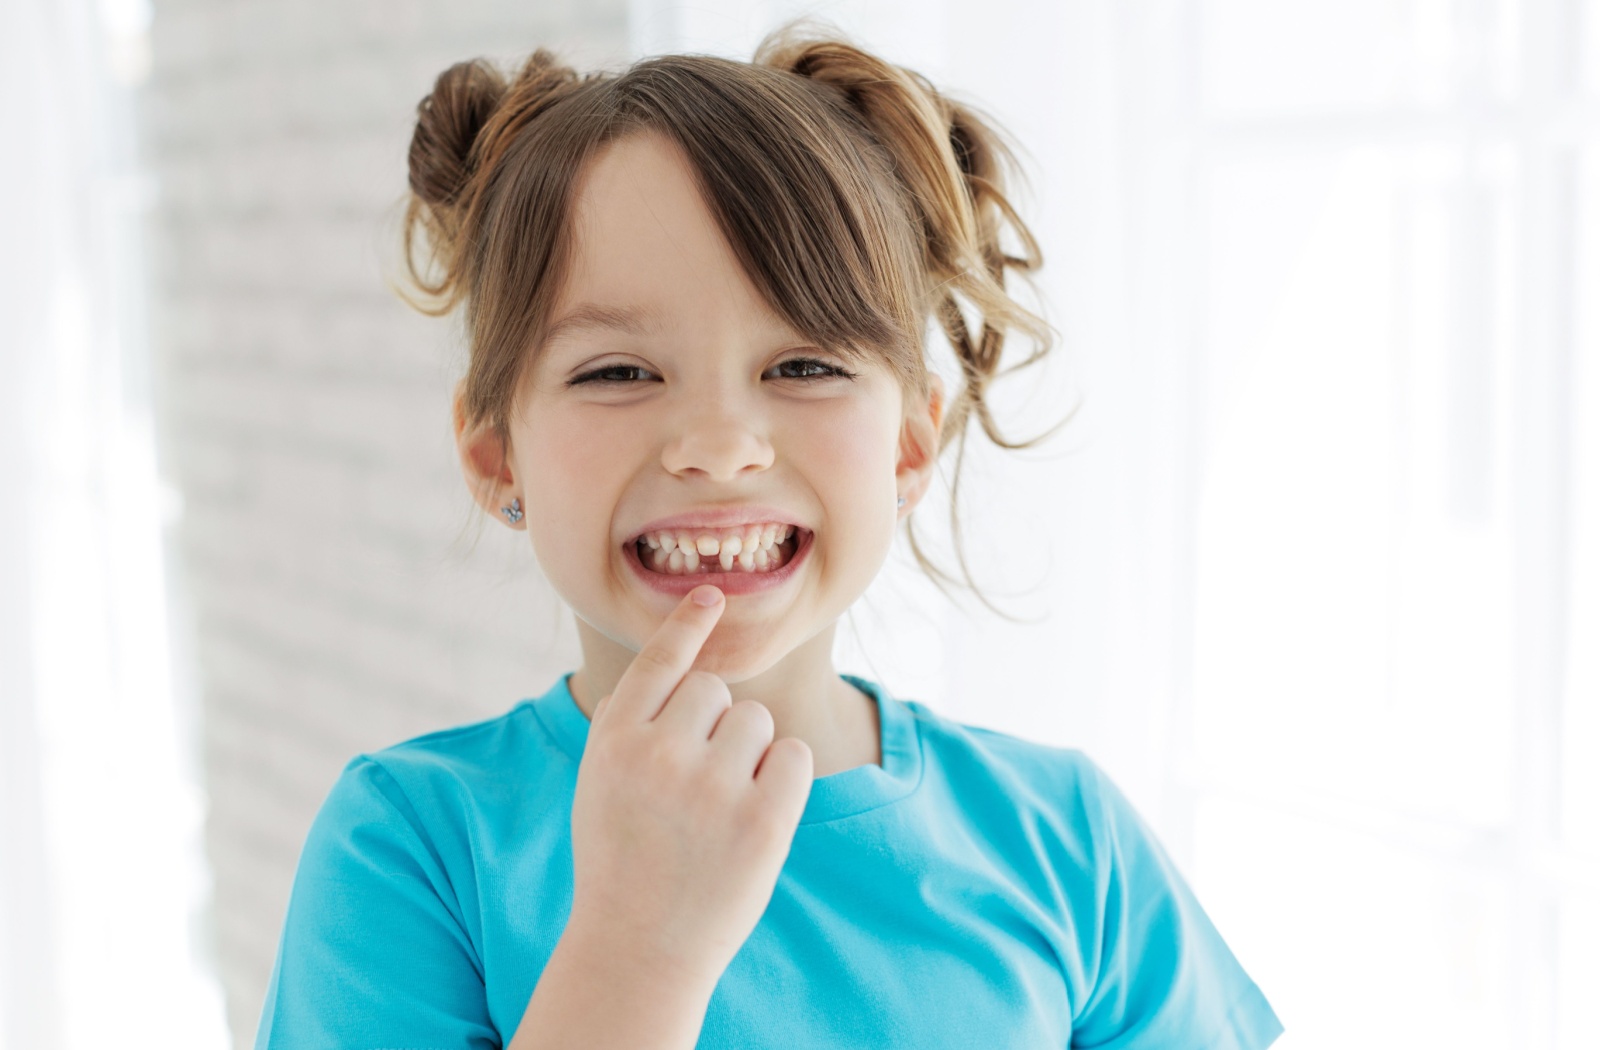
{"points": [[593, 317]]}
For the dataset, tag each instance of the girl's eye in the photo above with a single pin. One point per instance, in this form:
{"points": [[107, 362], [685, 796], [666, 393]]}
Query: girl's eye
{"points": [[599, 375], [826, 371]]}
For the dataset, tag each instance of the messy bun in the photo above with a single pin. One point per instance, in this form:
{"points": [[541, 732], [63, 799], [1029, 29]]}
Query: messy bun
{"points": [[462, 126], [448, 122], [950, 162], [859, 200]]}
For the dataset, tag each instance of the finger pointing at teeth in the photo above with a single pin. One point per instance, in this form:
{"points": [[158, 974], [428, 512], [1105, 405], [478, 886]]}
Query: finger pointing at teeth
{"points": [[685, 806]]}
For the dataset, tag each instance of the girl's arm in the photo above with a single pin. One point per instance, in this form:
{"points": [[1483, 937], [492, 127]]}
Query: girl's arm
{"points": [[1164, 977], [599, 992]]}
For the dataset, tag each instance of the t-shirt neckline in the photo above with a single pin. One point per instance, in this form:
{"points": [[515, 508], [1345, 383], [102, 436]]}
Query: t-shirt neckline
{"points": [[846, 793]]}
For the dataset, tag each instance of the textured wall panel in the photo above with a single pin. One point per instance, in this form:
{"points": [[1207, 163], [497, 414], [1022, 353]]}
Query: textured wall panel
{"points": [[340, 604]]}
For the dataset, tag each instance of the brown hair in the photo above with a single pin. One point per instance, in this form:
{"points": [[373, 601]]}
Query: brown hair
{"points": [[860, 201]]}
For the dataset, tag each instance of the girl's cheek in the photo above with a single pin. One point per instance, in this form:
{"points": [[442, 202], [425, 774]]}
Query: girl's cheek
{"points": [[847, 435], [856, 436], [564, 446]]}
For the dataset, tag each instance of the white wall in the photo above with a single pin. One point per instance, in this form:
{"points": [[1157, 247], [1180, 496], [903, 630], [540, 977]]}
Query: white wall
{"points": [[337, 602]]}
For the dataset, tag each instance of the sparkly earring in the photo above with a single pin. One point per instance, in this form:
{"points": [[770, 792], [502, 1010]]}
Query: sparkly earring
{"points": [[513, 513], [902, 502]]}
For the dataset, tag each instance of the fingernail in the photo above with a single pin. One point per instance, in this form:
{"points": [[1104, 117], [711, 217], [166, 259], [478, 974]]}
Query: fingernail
{"points": [[706, 595]]}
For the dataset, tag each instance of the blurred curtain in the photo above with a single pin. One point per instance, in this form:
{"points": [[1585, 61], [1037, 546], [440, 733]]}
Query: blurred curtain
{"points": [[101, 878]]}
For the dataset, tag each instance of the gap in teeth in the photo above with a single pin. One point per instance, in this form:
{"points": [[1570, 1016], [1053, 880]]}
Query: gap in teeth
{"points": [[753, 548]]}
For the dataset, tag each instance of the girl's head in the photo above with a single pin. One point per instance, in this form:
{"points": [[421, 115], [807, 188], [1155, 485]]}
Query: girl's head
{"points": [[701, 284]]}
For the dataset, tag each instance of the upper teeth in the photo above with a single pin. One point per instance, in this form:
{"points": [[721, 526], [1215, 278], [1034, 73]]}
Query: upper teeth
{"points": [[706, 544]]}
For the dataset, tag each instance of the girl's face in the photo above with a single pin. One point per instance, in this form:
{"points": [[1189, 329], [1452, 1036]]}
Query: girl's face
{"points": [[701, 403]]}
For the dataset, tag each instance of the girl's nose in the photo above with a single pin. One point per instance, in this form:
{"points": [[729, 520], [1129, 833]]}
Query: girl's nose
{"points": [[718, 444]]}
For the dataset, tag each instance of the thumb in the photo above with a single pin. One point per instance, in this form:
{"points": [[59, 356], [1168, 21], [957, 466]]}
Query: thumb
{"points": [[598, 707]]}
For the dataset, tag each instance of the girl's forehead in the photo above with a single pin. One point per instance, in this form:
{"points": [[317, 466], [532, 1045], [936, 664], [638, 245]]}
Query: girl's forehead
{"points": [[647, 250], [640, 193], [649, 267]]}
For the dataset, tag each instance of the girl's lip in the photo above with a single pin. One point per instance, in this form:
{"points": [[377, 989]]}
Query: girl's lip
{"points": [[713, 518], [729, 583]]}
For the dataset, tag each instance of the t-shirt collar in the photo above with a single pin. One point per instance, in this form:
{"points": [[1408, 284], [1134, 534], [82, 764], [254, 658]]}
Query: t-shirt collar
{"points": [[846, 793]]}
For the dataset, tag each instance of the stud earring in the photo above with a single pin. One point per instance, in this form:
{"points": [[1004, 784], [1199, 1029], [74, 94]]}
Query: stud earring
{"points": [[902, 502], [513, 513]]}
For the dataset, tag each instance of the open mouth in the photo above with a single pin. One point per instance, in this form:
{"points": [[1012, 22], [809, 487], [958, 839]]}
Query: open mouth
{"points": [[755, 551]]}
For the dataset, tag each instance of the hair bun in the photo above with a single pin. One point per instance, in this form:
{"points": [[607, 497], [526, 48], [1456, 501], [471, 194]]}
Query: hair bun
{"points": [[463, 127], [448, 121]]}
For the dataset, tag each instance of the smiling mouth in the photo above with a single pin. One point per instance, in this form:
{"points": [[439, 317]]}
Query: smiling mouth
{"points": [[733, 559]]}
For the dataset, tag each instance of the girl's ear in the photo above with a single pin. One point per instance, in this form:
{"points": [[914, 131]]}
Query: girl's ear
{"points": [[484, 461], [919, 446]]}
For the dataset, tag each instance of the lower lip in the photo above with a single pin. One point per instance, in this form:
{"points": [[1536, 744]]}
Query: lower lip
{"points": [[729, 583]]}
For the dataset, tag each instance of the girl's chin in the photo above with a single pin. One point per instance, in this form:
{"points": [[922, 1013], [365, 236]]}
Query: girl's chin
{"points": [[745, 642]]}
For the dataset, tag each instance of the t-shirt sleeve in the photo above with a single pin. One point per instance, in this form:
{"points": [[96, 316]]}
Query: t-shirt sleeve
{"points": [[374, 953], [1165, 979]]}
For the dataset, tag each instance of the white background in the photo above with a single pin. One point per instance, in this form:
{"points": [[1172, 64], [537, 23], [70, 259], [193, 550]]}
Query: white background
{"points": [[1313, 572]]}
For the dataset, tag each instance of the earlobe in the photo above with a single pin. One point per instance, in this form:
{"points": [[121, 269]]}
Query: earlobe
{"points": [[484, 464]]}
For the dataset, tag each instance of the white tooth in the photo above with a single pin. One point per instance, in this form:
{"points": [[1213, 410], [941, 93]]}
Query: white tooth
{"points": [[666, 541], [733, 545], [658, 558], [768, 535], [751, 538], [726, 558], [651, 542], [706, 545], [763, 558], [675, 561], [747, 559], [691, 560], [684, 542]]}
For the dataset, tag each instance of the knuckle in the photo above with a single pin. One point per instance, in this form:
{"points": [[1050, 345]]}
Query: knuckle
{"points": [[667, 761], [713, 783], [759, 823], [613, 747], [705, 681], [756, 713], [655, 658]]}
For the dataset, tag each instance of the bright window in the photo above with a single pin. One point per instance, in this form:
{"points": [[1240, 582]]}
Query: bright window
{"points": [[1394, 704]]}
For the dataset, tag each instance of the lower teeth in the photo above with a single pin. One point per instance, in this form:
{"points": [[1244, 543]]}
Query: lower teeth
{"points": [[777, 556]]}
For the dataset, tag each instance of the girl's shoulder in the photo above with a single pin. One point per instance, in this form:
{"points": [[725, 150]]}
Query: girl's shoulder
{"points": [[452, 766], [471, 744], [1050, 778]]}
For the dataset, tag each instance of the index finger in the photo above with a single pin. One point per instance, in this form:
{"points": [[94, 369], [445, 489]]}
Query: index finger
{"points": [[644, 687]]}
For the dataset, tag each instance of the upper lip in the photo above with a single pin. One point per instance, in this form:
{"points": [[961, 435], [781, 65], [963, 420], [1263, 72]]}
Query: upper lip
{"points": [[719, 518]]}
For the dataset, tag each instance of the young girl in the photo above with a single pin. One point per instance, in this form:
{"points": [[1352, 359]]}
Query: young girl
{"points": [[695, 296]]}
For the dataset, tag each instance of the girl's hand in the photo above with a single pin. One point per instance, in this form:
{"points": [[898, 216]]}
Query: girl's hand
{"points": [[685, 808]]}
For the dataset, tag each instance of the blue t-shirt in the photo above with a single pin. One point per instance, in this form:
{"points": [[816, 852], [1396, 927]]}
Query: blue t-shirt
{"points": [[975, 890]]}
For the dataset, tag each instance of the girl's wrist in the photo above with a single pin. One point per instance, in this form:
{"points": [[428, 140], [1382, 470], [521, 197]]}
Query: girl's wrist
{"points": [[600, 995], [598, 946]]}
